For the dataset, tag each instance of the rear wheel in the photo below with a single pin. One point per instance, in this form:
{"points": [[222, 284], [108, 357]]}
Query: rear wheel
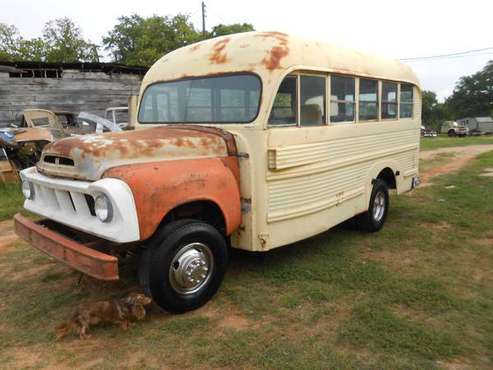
{"points": [[185, 265], [451, 133], [374, 219]]}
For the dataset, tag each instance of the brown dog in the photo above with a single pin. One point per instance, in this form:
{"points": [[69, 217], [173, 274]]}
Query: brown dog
{"points": [[120, 311]]}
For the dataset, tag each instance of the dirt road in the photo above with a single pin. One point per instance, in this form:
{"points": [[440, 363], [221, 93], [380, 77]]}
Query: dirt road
{"points": [[460, 156]]}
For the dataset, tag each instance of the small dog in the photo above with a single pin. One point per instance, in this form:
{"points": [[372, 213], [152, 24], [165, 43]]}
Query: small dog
{"points": [[118, 311]]}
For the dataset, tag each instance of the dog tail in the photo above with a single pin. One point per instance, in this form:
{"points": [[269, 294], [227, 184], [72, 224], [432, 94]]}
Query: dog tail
{"points": [[62, 330]]}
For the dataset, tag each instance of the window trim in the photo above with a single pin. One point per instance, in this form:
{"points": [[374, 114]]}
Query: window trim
{"points": [[378, 99], [328, 98], [396, 100], [295, 124], [412, 103], [356, 97], [243, 73], [319, 75]]}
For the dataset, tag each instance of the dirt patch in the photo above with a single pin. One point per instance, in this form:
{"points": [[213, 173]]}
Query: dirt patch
{"points": [[396, 260], [234, 322], [462, 155], [7, 234], [225, 318], [29, 272]]}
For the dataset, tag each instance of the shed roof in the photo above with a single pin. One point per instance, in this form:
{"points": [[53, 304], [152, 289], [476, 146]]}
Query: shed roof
{"points": [[80, 66], [272, 55]]}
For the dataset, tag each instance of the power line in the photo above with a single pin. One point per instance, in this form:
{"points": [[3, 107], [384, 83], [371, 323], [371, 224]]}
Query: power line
{"points": [[459, 54]]}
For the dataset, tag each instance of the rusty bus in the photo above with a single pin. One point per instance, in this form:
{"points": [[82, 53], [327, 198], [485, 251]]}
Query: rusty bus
{"points": [[248, 141]]}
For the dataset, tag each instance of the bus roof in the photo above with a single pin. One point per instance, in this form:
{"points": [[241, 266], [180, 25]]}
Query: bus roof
{"points": [[271, 55]]}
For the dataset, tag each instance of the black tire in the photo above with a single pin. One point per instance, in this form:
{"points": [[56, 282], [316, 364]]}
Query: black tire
{"points": [[368, 221], [451, 133], [156, 271]]}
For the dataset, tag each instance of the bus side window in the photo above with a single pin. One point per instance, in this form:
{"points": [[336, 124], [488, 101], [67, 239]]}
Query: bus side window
{"points": [[284, 109], [312, 100], [389, 100], [368, 99], [341, 99], [406, 101]]}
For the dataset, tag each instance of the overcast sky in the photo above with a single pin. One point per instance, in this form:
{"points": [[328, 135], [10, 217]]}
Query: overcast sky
{"points": [[396, 29]]}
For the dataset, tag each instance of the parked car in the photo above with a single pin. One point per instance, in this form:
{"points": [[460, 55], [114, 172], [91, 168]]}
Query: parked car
{"points": [[227, 153], [23, 142], [452, 128], [428, 132]]}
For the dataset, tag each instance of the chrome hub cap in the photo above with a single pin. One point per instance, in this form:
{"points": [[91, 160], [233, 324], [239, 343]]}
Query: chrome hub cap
{"points": [[191, 268], [379, 207]]}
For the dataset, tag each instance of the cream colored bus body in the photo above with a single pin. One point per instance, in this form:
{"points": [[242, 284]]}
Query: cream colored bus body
{"points": [[300, 181]]}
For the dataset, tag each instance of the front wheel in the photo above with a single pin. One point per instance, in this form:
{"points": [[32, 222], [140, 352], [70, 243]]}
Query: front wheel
{"points": [[185, 266], [374, 219]]}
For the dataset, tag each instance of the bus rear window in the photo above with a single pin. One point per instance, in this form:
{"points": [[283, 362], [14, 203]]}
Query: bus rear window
{"points": [[221, 99]]}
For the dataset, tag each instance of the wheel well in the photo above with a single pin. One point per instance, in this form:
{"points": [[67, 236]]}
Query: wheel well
{"points": [[206, 211], [387, 175]]}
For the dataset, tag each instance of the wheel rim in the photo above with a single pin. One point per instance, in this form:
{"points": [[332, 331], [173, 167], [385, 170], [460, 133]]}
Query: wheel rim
{"points": [[191, 268], [379, 206]]}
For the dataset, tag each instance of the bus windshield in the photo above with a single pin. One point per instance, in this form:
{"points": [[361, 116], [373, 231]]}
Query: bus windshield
{"points": [[220, 99]]}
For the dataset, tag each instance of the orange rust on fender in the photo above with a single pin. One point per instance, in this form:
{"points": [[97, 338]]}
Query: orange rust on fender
{"points": [[160, 187], [218, 55]]}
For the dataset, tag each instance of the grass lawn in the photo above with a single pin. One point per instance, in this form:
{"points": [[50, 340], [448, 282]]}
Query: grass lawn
{"points": [[417, 295], [11, 200], [442, 141]]}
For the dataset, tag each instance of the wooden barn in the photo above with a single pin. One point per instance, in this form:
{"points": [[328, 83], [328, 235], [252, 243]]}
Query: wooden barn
{"points": [[75, 87]]}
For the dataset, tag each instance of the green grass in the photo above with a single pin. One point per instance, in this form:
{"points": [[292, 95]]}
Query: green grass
{"points": [[416, 295], [11, 200], [443, 141]]}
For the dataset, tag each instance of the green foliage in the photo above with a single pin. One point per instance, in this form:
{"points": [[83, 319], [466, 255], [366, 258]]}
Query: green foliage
{"points": [[473, 95], [62, 42], [141, 41], [228, 29], [135, 40], [433, 113], [9, 40]]}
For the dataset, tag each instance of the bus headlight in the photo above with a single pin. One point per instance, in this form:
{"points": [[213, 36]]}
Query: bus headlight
{"points": [[27, 189], [103, 208]]}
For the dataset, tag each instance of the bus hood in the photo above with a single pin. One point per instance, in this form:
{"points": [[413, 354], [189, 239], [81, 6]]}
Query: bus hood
{"points": [[88, 157]]}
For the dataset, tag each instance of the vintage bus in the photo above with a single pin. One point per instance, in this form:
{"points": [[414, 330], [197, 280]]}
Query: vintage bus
{"points": [[250, 141]]}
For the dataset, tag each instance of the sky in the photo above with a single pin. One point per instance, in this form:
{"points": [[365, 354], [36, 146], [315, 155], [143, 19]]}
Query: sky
{"points": [[395, 29]]}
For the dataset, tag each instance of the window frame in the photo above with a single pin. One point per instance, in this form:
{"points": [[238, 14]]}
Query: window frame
{"points": [[377, 118], [412, 103], [325, 113], [298, 75], [328, 98], [355, 101], [246, 73], [397, 110]]}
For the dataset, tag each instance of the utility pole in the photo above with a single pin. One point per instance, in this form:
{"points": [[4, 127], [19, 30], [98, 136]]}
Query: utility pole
{"points": [[203, 19]]}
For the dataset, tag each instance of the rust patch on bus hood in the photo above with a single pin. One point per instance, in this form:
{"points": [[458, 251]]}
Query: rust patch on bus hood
{"points": [[92, 155]]}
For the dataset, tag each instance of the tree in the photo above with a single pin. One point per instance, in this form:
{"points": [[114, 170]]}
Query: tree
{"points": [[473, 95], [9, 41], [433, 113], [141, 41], [62, 42], [65, 44], [227, 29]]}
